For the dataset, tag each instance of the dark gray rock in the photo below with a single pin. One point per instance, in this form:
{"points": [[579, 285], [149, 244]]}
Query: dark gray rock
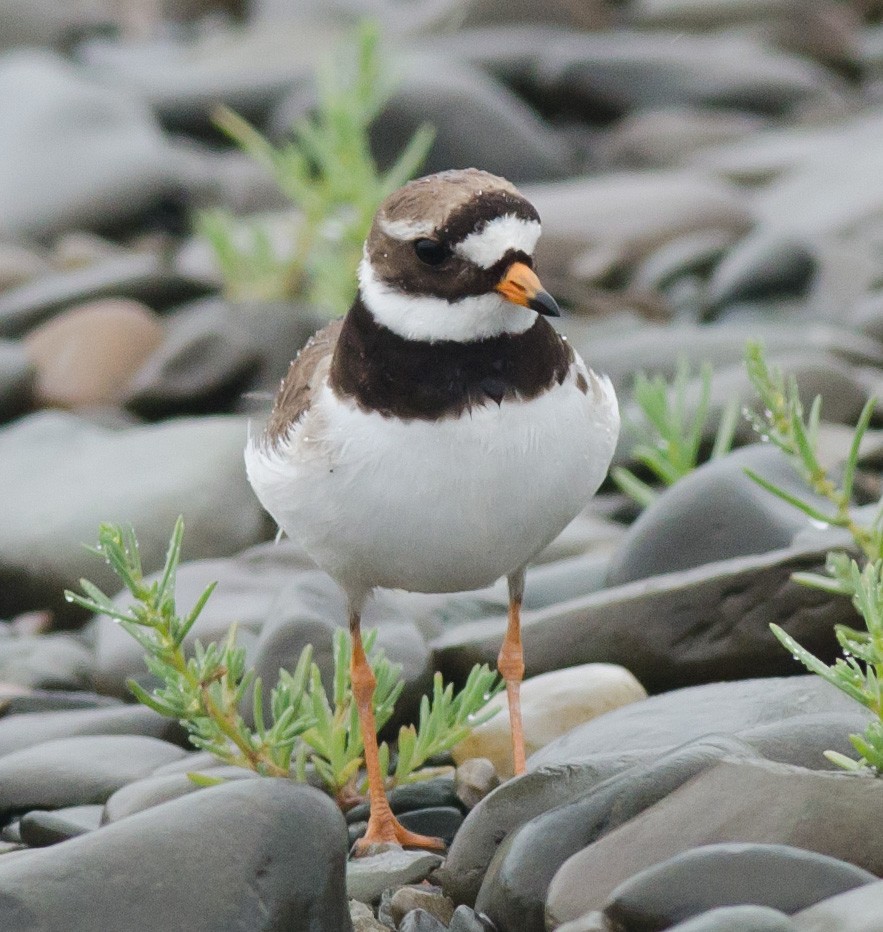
{"points": [[52, 700], [55, 661], [102, 156], [40, 828], [513, 804], [368, 877], [738, 919], [265, 854], [17, 376], [744, 707], [418, 920], [515, 886], [30, 728], [143, 277], [715, 513], [146, 476], [215, 350], [733, 801], [751, 274], [436, 822], [695, 626], [777, 876], [856, 911], [76, 771], [411, 796], [157, 789]]}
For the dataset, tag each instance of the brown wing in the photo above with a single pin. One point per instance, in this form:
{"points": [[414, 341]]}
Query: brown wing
{"points": [[296, 392]]}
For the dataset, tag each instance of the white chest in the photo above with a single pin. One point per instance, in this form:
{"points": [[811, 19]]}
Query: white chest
{"points": [[437, 506]]}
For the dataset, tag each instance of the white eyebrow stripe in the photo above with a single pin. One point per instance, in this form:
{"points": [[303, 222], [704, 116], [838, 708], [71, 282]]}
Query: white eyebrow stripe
{"points": [[497, 237], [406, 229]]}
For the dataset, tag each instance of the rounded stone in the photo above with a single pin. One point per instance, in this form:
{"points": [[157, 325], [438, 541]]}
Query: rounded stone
{"points": [[87, 355], [551, 704]]}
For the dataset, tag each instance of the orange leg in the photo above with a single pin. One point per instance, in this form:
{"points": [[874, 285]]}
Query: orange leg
{"points": [[383, 826], [510, 663]]}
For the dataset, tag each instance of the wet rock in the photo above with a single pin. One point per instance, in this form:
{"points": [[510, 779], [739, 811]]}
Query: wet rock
{"points": [[39, 828], [512, 805], [517, 881], [368, 877], [45, 662], [786, 270], [144, 277], [144, 475], [30, 728], [466, 920], [79, 154], [723, 708], [551, 704], [437, 822], [363, 918], [16, 701], [715, 513], [88, 354], [411, 797], [693, 626], [734, 801], [475, 778], [75, 771], [260, 853], [855, 911], [776, 876]]}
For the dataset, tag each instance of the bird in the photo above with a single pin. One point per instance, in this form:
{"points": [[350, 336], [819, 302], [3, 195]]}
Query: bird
{"points": [[442, 433]]}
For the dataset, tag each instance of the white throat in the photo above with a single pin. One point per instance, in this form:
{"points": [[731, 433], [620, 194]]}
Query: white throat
{"points": [[425, 317]]}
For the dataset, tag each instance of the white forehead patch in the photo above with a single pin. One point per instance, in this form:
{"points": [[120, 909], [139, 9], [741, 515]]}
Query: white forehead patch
{"points": [[497, 237], [406, 229], [429, 318]]}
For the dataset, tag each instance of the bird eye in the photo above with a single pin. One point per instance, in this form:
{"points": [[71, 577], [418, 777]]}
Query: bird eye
{"points": [[430, 251]]}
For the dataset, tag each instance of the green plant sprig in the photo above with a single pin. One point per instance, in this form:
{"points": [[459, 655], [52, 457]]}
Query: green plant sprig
{"points": [[205, 691], [858, 674], [328, 172], [673, 436], [782, 422]]}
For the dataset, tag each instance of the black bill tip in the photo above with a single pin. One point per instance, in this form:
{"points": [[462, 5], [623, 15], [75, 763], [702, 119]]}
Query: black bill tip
{"points": [[543, 303]]}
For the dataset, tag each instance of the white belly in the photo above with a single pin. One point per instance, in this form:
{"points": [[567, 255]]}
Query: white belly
{"points": [[436, 506]]}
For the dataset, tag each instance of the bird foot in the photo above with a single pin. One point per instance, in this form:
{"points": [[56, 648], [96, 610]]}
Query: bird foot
{"points": [[386, 831]]}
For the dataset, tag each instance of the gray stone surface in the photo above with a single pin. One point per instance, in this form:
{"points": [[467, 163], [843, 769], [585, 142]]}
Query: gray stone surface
{"points": [[79, 154], [694, 626], [745, 707], [856, 911], [368, 877], [17, 377], [734, 801], [738, 919], [77, 771], [45, 661], [265, 854], [515, 886], [715, 513], [41, 828], [778, 876], [24, 730], [146, 476]]}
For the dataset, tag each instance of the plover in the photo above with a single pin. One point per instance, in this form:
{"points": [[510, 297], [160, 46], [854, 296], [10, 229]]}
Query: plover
{"points": [[442, 433]]}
